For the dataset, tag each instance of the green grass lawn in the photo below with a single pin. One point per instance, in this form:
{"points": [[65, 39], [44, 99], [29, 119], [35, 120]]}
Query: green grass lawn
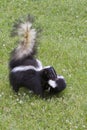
{"points": [[63, 44]]}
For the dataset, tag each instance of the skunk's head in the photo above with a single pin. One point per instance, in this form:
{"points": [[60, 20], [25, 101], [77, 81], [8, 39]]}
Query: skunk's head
{"points": [[58, 85]]}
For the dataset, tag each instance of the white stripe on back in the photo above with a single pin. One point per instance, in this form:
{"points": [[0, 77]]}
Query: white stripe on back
{"points": [[25, 68], [28, 67]]}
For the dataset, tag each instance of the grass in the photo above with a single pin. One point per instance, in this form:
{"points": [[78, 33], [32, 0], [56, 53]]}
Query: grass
{"points": [[63, 45]]}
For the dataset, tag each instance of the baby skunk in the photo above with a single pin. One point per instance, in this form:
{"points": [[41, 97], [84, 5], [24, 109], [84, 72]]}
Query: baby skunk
{"points": [[25, 69]]}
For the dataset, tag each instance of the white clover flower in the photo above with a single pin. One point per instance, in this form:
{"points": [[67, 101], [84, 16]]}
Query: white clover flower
{"points": [[3, 45], [84, 126], [17, 99], [20, 101]]}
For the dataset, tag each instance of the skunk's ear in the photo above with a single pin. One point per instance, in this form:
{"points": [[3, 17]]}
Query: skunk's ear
{"points": [[53, 74], [49, 73]]}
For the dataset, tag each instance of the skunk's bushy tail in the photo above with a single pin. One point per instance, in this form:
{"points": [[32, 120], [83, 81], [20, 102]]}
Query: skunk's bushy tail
{"points": [[27, 38]]}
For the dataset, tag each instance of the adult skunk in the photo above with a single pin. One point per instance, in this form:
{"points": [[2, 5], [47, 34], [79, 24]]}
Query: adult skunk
{"points": [[25, 69]]}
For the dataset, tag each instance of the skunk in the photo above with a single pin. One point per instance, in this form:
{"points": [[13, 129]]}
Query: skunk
{"points": [[25, 70]]}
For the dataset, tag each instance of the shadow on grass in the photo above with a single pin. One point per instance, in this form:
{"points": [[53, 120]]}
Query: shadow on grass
{"points": [[25, 92]]}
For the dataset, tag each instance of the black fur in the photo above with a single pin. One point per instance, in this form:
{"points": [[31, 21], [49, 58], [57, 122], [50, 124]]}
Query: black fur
{"points": [[29, 79]]}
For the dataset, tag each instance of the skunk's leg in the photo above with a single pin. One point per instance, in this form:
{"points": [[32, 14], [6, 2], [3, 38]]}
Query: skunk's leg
{"points": [[15, 88], [38, 89]]}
